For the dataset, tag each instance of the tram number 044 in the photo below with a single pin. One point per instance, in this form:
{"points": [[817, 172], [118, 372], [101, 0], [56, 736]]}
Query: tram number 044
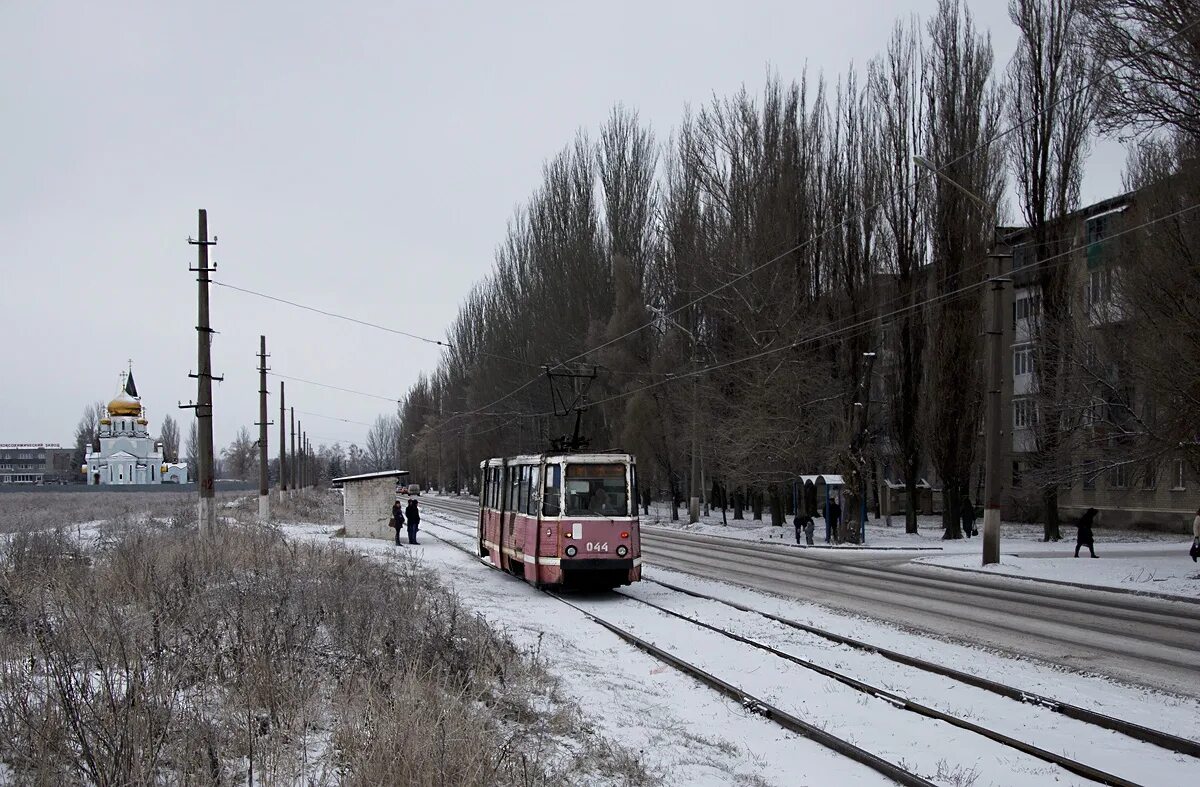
{"points": [[597, 546]]}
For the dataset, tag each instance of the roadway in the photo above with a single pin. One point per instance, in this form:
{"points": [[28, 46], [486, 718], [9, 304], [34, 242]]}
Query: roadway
{"points": [[1142, 640]]}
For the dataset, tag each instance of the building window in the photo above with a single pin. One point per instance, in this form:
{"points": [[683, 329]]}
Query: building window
{"points": [[1179, 476], [1120, 476], [1024, 413], [1150, 476], [1023, 360]]}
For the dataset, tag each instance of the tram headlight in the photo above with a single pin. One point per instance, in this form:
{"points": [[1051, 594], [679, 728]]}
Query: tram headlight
{"points": [[571, 550], [622, 551]]}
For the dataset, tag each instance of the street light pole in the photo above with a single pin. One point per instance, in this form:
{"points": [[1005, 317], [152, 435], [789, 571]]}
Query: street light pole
{"points": [[994, 432]]}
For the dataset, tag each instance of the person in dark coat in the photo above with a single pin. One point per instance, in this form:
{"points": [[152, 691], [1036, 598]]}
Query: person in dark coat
{"points": [[967, 515], [414, 519], [835, 519], [1083, 536], [397, 518]]}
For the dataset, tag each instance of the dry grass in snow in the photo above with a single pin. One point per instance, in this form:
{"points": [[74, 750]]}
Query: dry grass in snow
{"points": [[152, 654]]}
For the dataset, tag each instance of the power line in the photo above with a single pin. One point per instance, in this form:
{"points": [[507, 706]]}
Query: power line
{"points": [[334, 315], [335, 418], [365, 323], [337, 388]]}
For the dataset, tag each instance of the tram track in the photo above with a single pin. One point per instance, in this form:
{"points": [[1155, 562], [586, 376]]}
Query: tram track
{"points": [[890, 698], [748, 701], [1155, 737]]}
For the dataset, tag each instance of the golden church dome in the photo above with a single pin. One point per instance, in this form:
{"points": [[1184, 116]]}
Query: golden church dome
{"points": [[124, 404]]}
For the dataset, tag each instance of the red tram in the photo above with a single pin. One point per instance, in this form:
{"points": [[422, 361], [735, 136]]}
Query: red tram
{"points": [[563, 520]]}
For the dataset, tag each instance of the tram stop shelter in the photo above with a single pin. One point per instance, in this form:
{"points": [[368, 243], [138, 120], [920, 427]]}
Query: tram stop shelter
{"points": [[819, 491], [367, 502]]}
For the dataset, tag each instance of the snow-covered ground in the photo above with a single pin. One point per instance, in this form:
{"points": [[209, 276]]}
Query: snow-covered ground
{"points": [[1120, 566], [1143, 562], [690, 735]]}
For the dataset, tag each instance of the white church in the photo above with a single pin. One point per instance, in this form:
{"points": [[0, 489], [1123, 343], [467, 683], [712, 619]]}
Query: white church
{"points": [[126, 453]]}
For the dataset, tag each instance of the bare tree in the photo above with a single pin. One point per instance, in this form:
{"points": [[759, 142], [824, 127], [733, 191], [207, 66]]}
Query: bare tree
{"points": [[962, 113], [896, 80], [241, 456], [192, 450], [1051, 104], [1153, 50], [382, 442], [86, 432], [169, 436]]}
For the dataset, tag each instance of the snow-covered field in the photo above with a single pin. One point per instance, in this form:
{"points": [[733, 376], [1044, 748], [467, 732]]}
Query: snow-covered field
{"points": [[690, 735]]}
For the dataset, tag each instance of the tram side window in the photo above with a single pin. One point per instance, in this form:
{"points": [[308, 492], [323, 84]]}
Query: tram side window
{"points": [[596, 490], [514, 487], [635, 500], [531, 495], [496, 490], [522, 489], [552, 494]]}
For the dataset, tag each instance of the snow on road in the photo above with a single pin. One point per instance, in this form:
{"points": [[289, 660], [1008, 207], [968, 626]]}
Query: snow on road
{"points": [[1120, 566], [691, 735]]}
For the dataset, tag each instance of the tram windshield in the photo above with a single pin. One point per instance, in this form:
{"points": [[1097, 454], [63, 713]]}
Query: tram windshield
{"points": [[596, 490]]}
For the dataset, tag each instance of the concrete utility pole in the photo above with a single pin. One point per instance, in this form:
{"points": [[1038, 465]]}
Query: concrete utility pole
{"points": [[203, 406], [283, 463], [294, 465], [300, 460], [264, 486], [994, 431]]}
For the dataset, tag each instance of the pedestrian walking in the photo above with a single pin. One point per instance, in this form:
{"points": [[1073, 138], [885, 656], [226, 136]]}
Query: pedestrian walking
{"points": [[1083, 536], [1195, 550], [967, 515], [809, 527], [414, 519], [397, 518]]}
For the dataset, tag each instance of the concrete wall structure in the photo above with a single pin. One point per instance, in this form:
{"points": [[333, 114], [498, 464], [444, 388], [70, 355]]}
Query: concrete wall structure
{"points": [[367, 503]]}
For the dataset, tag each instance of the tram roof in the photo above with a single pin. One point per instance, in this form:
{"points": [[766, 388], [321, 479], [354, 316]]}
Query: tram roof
{"points": [[568, 456]]}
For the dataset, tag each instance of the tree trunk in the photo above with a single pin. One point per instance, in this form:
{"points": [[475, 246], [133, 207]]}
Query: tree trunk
{"points": [[738, 503], [951, 510], [776, 502], [910, 497], [756, 502], [1050, 521]]}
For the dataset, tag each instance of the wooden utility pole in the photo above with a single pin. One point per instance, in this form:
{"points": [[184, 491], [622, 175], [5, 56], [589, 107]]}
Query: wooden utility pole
{"points": [[264, 485], [203, 406], [293, 466], [994, 432], [283, 464]]}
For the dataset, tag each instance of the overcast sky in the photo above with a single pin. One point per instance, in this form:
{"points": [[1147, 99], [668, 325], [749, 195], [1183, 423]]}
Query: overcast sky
{"points": [[360, 157]]}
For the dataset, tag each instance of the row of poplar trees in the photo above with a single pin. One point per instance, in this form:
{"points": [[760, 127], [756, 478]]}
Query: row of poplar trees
{"points": [[733, 280]]}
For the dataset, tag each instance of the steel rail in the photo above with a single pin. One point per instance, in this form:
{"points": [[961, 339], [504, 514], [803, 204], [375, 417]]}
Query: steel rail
{"points": [[1158, 738], [750, 702], [904, 703]]}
